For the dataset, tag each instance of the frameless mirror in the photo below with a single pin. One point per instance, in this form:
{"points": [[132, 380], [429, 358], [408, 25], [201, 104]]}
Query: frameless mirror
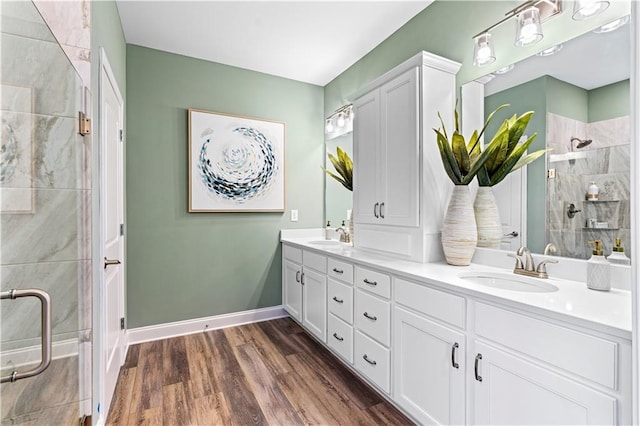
{"points": [[338, 199], [581, 100]]}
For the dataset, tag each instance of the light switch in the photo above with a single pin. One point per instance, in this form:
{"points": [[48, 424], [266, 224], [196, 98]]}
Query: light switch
{"points": [[294, 215]]}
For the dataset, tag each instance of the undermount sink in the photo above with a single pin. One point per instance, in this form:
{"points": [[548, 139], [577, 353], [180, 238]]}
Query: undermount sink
{"points": [[509, 281], [325, 243]]}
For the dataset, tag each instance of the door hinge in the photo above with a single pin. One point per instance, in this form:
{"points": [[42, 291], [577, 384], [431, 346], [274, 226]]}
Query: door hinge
{"points": [[122, 323], [84, 124], [121, 135], [122, 229]]}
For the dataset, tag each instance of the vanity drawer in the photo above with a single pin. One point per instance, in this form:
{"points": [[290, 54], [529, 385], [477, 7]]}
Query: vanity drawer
{"points": [[588, 356], [372, 360], [373, 317], [340, 270], [438, 304], [340, 300], [315, 261], [340, 338], [373, 281], [292, 253]]}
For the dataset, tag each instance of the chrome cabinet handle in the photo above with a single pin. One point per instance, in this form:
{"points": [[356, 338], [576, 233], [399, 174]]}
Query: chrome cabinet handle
{"points": [[302, 279], [338, 271], [45, 322], [475, 367], [109, 262], [381, 212], [366, 281], [338, 300], [366, 358], [366, 315], [375, 210], [453, 355], [297, 276], [340, 339]]}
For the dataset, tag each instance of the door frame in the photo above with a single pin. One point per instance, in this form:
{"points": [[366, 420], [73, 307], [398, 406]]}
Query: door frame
{"points": [[102, 401]]}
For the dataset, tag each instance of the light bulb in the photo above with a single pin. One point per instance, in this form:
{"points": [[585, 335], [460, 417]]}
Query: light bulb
{"points": [[584, 9], [340, 121], [484, 53], [529, 28], [329, 126]]}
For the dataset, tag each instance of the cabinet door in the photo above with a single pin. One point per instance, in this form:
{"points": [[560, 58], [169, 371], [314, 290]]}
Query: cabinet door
{"points": [[514, 391], [292, 288], [314, 305], [399, 159], [429, 369], [366, 143]]}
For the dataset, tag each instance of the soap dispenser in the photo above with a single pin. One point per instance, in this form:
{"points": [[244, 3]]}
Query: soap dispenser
{"points": [[617, 256], [598, 274], [328, 232]]}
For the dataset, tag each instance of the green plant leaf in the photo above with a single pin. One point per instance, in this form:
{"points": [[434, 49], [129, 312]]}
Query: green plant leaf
{"points": [[487, 121], [517, 129], [448, 159], [336, 177], [511, 161], [459, 148], [344, 167], [444, 129]]}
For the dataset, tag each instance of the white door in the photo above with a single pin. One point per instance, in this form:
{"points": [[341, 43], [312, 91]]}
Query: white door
{"points": [[513, 391], [511, 199], [429, 369], [314, 305], [399, 193], [112, 211], [366, 141], [292, 289]]}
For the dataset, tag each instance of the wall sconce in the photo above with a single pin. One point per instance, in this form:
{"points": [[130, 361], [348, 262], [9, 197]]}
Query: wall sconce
{"points": [[340, 122], [584, 9], [529, 16]]}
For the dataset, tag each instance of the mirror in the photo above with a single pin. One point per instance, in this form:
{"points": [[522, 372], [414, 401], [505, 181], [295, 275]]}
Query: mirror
{"points": [[338, 199], [581, 99]]}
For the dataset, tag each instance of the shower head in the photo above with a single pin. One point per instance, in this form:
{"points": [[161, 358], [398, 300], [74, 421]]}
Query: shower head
{"points": [[581, 142]]}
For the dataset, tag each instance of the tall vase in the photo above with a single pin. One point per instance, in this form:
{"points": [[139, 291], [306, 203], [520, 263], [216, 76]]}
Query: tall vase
{"points": [[459, 233], [487, 218]]}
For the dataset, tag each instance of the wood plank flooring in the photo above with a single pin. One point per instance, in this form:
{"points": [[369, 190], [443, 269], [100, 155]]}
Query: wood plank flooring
{"points": [[268, 373]]}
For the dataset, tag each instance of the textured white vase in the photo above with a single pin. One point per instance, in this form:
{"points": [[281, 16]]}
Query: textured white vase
{"points": [[351, 234], [487, 218], [459, 233]]}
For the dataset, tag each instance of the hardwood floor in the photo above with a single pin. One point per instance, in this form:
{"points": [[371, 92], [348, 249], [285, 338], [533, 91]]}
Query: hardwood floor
{"points": [[265, 373]]}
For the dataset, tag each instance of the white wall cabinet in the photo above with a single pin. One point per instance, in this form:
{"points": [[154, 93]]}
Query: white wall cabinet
{"points": [[429, 369]]}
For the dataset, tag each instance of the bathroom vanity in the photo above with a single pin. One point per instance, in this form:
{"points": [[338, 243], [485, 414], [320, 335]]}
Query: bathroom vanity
{"points": [[448, 349]]}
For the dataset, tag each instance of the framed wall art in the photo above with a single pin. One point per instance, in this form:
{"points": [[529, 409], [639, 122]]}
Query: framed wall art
{"points": [[236, 164]]}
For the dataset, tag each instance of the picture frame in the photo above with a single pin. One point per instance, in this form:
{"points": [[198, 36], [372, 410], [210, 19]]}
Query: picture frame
{"points": [[236, 163]]}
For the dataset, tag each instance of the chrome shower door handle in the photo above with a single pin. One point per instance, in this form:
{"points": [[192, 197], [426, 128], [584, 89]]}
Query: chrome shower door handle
{"points": [[45, 311], [512, 234]]}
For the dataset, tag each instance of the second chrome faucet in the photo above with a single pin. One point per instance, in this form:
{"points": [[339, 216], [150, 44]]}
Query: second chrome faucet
{"points": [[528, 267]]}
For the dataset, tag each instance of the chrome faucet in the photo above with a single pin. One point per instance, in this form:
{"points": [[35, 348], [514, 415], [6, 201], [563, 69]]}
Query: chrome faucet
{"points": [[529, 269], [549, 248], [344, 234]]}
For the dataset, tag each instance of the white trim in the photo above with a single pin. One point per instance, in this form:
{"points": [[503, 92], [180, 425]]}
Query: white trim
{"points": [[182, 328], [32, 354], [635, 204]]}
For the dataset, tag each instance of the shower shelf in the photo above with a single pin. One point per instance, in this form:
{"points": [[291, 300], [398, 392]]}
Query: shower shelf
{"points": [[601, 201], [599, 229]]}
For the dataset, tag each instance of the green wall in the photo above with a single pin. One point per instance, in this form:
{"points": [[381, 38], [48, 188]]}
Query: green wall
{"points": [[530, 96], [610, 101], [567, 100], [190, 265]]}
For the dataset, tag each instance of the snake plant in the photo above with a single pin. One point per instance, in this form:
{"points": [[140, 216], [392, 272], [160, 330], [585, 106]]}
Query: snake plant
{"points": [[344, 167]]}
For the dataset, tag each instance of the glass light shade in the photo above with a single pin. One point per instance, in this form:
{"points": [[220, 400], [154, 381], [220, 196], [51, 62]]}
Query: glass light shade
{"points": [[329, 126], [483, 53], [550, 51], [583, 9], [612, 26], [340, 121], [504, 70], [529, 29]]}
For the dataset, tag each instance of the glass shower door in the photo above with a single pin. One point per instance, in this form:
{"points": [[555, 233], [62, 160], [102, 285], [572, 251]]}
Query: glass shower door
{"points": [[45, 206]]}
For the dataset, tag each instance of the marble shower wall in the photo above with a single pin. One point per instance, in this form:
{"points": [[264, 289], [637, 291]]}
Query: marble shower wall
{"points": [[45, 220], [605, 161]]}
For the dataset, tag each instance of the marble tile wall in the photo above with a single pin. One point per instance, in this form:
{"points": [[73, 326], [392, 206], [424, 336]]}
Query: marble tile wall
{"points": [[45, 221], [605, 161]]}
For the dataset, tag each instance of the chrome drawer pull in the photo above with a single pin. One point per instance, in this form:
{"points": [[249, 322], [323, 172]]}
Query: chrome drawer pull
{"points": [[368, 360], [453, 355], [366, 281], [475, 368], [297, 276], [338, 271], [366, 314], [381, 212], [338, 337], [375, 210], [338, 300]]}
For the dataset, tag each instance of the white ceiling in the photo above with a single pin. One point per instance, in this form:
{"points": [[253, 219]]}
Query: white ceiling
{"points": [[589, 61], [309, 41]]}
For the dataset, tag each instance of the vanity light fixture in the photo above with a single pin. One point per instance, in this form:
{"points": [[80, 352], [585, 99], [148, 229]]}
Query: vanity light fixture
{"points": [[550, 51], [584, 9], [612, 26], [340, 122], [504, 70], [529, 18]]}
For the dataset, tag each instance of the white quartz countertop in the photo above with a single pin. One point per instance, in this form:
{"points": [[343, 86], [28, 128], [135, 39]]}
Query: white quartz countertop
{"points": [[608, 312]]}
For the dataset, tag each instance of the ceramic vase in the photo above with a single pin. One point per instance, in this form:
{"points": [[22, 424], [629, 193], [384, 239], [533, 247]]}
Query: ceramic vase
{"points": [[487, 218], [459, 233]]}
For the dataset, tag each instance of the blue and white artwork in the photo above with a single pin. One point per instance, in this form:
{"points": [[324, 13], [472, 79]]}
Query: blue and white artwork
{"points": [[235, 163]]}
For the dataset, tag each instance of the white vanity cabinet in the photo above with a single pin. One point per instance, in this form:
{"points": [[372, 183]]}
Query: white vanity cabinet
{"points": [[304, 290], [400, 189]]}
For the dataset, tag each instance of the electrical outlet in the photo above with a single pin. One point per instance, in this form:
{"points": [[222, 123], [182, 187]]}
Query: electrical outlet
{"points": [[294, 215]]}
